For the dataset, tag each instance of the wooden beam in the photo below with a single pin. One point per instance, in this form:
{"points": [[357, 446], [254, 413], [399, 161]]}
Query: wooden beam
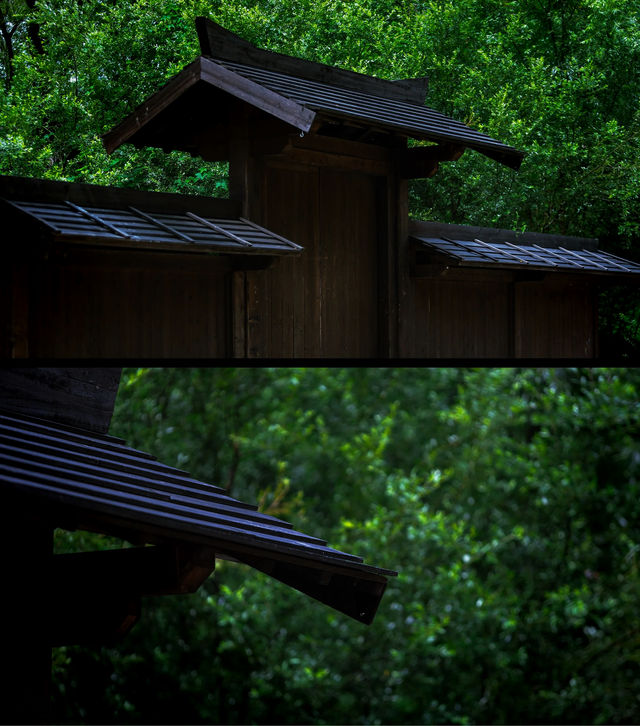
{"points": [[337, 161], [82, 397], [217, 42], [327, 151], [390, 204], [159, 570], [97, 594], [256, 95], [26, 189], [341, 147], [357, 597]]}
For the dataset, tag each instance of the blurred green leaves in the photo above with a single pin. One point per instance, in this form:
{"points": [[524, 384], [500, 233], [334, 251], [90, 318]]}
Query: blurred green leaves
{"points": [[506, 498]]}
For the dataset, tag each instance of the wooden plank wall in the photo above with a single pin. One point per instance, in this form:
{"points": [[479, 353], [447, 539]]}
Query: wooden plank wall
{"points": [[101, 304], [556, 318], [496, 317], [454, 318]]}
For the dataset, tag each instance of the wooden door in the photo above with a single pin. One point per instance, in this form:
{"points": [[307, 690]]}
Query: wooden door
{"points": [[324, 302]]}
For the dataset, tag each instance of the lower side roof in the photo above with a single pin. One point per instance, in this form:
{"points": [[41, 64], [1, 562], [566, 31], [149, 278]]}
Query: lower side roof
{"points": [[477, 247], [116, 217], [85, 480]]}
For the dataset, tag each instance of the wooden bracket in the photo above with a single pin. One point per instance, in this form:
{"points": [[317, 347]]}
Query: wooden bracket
{"points": [[96, 595], [251, 262], [421, 162], [529, 276]]}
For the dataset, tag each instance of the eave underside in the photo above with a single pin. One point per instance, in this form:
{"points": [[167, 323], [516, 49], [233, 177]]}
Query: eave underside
{"points": [[77, 479]]}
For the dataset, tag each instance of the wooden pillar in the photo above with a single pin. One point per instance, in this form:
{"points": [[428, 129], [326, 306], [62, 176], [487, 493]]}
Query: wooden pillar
{"points": [[14, 310], [240, 185], [27, 550], [404, 344]]}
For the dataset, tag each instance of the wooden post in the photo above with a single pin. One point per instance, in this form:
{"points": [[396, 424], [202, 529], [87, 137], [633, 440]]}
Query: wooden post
{"points": [[405, 304], [27, 546]]}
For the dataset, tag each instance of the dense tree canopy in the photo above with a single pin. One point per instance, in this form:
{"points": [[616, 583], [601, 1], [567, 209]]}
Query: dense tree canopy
{"points": [[508, 500], [559, 79]]}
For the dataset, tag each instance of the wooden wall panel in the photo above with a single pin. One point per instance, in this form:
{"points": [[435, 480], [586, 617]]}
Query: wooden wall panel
{"points": [[555, 319], [349, 264], [14, 309], [459, 319], [101, 309], [282, 301]]}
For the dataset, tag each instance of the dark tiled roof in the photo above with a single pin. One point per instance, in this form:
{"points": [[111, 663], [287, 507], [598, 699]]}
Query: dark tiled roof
{"points": [[296, 91], [118, 217], [413, 120], [493, 251], [130, 225], [98, 482]]}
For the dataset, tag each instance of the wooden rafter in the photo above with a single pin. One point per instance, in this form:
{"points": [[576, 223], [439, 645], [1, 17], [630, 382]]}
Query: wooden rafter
{"points": [[97, 594]]}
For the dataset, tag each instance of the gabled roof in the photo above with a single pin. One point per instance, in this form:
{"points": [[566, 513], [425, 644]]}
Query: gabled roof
{"points": [[301, 93], [92, 214], [89, 480], [476, 247], [408, 119]]}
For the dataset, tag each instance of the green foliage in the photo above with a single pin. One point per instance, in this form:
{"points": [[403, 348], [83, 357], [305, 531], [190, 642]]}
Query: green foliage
{"points": [[507, 499], [100, 60]]}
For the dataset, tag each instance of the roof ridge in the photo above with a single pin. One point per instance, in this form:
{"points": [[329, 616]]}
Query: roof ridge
{"points": [[217, 42]]}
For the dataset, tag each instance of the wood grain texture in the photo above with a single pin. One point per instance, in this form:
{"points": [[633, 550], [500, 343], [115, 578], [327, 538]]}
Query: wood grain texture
{"points": [[97, 304], [82, 397], [457, 319], [554, 319], [327, 302]]}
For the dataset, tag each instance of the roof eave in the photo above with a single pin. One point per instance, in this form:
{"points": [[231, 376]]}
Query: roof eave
{"points": [[354, 589]]}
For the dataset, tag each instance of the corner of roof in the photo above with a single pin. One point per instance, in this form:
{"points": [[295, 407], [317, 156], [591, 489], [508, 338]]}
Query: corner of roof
{"points": [[217, 42], [211, 34]]}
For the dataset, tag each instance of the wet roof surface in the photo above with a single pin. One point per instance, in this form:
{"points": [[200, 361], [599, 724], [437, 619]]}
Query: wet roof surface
{"points": [[481, 253], [132, 225], [417, 121], [100, 473]]}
